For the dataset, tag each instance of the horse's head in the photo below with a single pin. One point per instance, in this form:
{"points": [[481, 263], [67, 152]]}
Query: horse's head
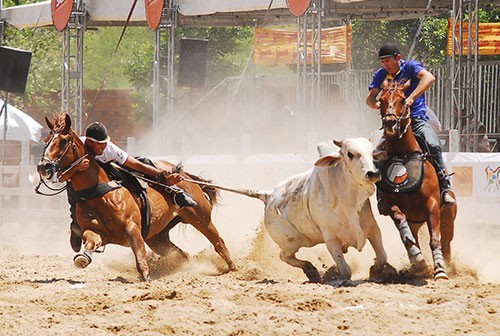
{"points": [[60, 149], [393, 109]]}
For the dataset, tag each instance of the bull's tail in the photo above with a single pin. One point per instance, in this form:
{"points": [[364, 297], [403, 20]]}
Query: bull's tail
{"points": [[263, 195]]}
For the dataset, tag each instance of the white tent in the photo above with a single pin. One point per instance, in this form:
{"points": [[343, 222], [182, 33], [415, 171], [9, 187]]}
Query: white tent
{"points": [[20, 126]]}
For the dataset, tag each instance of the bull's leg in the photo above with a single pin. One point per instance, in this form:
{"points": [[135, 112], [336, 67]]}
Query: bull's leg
{"points": [[434, 225], [381, 270], [414, 252], [337, 253], [213, 236], [310, 271]]}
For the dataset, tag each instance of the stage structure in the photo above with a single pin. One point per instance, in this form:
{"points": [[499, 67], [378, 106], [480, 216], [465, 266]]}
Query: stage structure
{"points": [[199, 13]]}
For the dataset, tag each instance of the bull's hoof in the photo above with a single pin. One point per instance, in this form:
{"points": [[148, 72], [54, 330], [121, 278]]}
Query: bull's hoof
{"points": [[312, 273], [146, 278], [383, 273], [82, 260], [232, 267]]}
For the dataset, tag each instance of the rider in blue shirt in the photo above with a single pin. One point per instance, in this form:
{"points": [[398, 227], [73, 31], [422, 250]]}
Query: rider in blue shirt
{"points": [[395, 68]]}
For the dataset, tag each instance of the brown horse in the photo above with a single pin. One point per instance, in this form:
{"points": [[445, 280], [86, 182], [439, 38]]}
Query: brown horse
{"points": [[115, 217], [421, 203]]}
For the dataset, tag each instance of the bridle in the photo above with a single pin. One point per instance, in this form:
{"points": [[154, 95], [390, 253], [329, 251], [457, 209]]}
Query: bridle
{"points": [[392, 88], [53, 166]]}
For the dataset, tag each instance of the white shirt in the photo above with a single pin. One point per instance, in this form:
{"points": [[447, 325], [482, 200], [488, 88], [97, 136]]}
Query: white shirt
{"points": [[112, 153]]}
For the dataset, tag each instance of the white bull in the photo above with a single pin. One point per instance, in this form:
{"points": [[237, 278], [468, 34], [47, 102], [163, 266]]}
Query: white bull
{"points": [[328, 204]]}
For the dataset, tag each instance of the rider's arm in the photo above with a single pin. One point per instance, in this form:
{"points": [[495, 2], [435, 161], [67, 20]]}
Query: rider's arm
{"points": [[426, 81], [161, 175], [137, 165], [82, 166], [371, 99]]}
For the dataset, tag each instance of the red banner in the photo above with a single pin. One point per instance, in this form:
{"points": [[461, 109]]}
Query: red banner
{"points": [[298, 7], [488, 42], [61, 12], [154, 9], [279, 46]]}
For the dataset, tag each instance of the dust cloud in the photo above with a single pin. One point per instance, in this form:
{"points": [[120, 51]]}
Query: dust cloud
{"points": [[256, 145]]}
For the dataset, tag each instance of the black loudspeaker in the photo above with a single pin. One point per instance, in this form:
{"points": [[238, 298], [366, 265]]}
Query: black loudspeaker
{"points": [[14, 68], [192, 63]]}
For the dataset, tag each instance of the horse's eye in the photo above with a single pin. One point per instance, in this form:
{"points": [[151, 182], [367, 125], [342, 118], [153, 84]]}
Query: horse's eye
{"points": [[350, 155], [63, 142]]}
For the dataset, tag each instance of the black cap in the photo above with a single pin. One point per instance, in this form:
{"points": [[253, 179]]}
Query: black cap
{"points": [[388, 50], [97, 132]]}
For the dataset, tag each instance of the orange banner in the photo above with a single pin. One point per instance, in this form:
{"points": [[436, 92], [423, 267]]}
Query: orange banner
{"points": [[279, 46], [489, 38]]}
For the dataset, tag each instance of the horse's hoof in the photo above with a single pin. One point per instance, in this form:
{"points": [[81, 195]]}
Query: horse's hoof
{"points": [[147, 278], [82, 260], [440, 274]]}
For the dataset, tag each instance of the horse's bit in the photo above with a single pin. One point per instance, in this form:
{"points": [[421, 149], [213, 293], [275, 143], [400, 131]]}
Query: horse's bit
{"points": [[53, 166]]}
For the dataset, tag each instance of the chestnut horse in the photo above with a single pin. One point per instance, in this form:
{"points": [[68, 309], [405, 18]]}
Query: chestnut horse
{"points": [[410, 209], [115, 217]]}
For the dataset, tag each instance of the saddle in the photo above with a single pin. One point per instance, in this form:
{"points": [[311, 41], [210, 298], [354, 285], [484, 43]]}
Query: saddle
{"points": [[135, 185], [401, 173]]}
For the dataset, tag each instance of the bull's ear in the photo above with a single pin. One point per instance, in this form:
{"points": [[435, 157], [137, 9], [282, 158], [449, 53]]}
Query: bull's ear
{"points": [[379, 155], [337, 143], [49, 123], [328, 161]]}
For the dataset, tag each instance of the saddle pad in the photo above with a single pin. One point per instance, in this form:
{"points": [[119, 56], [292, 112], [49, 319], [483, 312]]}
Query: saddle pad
{"points": [[401, 173]]}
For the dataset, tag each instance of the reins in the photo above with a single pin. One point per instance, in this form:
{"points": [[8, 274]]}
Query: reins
{"points": [[41, 181], [393, 87]]}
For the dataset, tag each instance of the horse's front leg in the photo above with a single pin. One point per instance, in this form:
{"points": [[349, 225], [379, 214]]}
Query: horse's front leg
{"points": [[414, 253], [434, 225], [139, 248], [92, 241]]}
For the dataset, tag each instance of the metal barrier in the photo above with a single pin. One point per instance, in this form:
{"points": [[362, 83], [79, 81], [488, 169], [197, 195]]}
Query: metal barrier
{"points": [[18, 198]]}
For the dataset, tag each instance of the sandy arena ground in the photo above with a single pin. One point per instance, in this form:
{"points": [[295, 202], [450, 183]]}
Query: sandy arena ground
{"points": [[42, 293]]}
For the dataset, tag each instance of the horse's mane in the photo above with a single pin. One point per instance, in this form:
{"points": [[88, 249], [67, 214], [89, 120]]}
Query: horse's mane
{"points": [[59, 122], [212, 192]]}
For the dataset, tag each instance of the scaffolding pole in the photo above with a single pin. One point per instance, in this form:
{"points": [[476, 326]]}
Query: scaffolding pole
{"points": [[464, 74], [163, 74], [72, 65]]}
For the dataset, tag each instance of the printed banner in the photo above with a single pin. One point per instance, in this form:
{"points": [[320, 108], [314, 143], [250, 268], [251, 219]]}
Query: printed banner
{"points": [[279, 46], [489, 38]]}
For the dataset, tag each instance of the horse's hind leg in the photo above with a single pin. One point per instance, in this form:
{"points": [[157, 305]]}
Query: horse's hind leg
{"points": [[162, 245], [213, 236], [448, 215]]}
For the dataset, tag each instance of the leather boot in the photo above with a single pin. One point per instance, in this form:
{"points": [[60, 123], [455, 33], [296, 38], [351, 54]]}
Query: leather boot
{"points": [[181, 198], [447, 198]]}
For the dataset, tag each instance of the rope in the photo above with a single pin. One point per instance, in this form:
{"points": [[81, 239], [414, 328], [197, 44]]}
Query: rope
{"points": [[419, 30]]}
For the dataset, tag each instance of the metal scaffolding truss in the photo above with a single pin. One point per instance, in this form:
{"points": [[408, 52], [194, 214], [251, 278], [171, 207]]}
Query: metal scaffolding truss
{"points": [[309, 69], [163, 70], [72, 65], [465, 88]]}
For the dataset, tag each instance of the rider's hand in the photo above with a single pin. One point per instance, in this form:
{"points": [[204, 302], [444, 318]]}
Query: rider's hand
{"points": [[377, 105], [84, 165], [170, 178], [409, 101]]}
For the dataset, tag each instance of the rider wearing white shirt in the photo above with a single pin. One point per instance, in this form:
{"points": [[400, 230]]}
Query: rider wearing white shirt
{"points": [[98, 142]]}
